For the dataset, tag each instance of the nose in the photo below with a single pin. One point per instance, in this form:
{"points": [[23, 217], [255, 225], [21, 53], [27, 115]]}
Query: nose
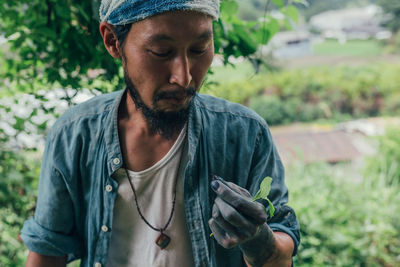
{"points": [[180, 72]]}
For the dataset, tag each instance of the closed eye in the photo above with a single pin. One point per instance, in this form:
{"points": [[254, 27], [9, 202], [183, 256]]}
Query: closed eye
{"points": [[198, 51], [161, 55], [200, 48]]}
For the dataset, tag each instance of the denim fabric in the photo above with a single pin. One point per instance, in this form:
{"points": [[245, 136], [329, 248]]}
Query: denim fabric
{"points": [[77, 191], [121, 12]]}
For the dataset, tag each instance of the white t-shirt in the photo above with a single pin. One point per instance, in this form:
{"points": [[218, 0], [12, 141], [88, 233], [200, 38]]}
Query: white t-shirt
{"points": [[132, 240]]}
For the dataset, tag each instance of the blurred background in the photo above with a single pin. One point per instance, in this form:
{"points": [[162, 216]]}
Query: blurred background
{"points": [[325, 75]]}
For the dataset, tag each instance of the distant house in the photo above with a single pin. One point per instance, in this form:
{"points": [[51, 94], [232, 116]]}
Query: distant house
{"points": [[351, 23], [289, 44]]}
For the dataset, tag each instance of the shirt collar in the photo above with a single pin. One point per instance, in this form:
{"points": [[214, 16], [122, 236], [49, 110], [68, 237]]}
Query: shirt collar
{"points": [[113, 148], [114, 154]]}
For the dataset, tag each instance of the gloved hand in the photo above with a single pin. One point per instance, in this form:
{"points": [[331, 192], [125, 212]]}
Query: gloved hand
{"points": [[238, 221]]}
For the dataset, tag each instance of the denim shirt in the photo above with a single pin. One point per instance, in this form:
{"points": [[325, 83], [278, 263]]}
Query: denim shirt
{"points": [[77, 191]]}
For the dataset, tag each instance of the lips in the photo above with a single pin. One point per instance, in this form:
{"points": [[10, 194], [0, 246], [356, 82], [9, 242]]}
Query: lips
{"points": [[176, 95], [170, 95]]}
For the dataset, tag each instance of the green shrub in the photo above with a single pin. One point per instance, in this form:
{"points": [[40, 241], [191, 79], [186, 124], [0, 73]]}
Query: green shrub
{"points": [[309, 112], [344, 221], [12, 250], [330, 93], [270, 108], [292, 108], [392, 104], [238, 92], [19, 175], [276, 111], [385, 165]]}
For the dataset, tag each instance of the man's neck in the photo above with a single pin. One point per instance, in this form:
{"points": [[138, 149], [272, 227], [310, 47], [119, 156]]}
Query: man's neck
{"points": [[140, 145], [133, 115]]}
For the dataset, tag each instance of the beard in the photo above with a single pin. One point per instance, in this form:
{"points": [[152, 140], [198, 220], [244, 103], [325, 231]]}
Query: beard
{"points": [[165, 123]]}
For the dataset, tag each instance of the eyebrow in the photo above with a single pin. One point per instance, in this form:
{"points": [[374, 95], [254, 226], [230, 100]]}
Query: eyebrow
{"points": [[164, 37], [205, 35]]}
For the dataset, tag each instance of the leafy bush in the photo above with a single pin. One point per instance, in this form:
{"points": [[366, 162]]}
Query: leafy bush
{"points": [[12, 251], [276, 111], [392, 104], [270, 108], [330, 93], [385, 165], [18, 185], [309, 112], [239, 92], [344, 221]]}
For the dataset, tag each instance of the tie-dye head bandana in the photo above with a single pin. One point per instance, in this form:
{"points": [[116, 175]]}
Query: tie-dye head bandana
{"points": [[121, 12]]}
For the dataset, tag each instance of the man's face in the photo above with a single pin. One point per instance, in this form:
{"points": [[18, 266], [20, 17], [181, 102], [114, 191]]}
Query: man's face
{"points": [[166, 58]]}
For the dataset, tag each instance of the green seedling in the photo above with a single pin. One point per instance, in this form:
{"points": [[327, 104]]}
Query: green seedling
{"points": [[263, 192]]}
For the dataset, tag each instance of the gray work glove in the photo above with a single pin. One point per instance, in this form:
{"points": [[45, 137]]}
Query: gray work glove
{"points": [[238, 221]]}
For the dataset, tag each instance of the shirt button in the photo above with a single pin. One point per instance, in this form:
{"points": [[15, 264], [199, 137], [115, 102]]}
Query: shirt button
{"points": [[109, 188], [116, 161], [97, 264], [196, 224], [104, 228]]}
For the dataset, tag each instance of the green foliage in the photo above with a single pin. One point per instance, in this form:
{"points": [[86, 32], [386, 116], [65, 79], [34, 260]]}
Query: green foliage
{"points": [[18, 185], [270, 108], [344, 222], [237, 91], [251, 10], [385, 165], [54, 43], [392, 8], [263, 193], [355, 48], [234, 37], [393, 44], [329, 93], [276, 111]]}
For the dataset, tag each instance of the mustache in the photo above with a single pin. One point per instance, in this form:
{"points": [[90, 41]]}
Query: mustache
{"points": [[191, 91]]}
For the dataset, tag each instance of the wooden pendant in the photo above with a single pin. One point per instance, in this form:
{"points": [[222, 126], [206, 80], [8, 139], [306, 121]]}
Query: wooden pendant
{"points": [[163, 240]]}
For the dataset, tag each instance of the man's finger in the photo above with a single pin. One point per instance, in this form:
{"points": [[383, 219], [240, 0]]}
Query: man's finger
{"points": [[233, 217], [233, 186], [222, 237], [233, 231], [244, 205]]}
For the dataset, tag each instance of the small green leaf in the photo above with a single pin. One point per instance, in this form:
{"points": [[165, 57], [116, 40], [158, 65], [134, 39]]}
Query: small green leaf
{"points": [[265, 187], [263, 192], [271, 208], [273, 26], [267, 31], [229, 8], [278, 3], [291, 12]]}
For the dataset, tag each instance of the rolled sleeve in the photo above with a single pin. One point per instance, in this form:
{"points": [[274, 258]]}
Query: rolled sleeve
{"points": [[285, 221], [47, 242], [268, 163], [53, 229]]}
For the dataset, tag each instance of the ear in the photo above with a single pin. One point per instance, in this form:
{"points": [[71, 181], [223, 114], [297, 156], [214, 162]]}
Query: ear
{"points": [[110, 39]]}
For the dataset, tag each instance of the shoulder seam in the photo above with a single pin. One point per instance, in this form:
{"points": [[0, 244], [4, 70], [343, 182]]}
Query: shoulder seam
{"points": [[70, 121], [261, 122]]}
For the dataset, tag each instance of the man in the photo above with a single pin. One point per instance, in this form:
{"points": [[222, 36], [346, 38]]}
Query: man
{"points": [[134, 177]]}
